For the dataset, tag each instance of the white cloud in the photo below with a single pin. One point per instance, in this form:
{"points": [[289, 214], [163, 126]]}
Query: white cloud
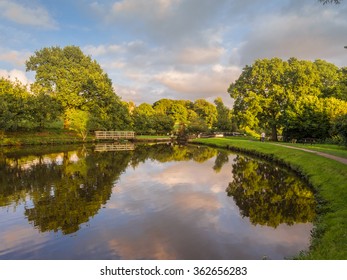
{"points": [[25, 15], [163, 21], [16, 58], [200, 55], [310, 32], [101, 50], [146, 74], [158, 9], [210, 82], [15, 75]]}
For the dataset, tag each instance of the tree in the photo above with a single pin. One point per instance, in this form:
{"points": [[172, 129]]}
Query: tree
{"points": [[268, 93], [340, 127], [163, 106], [13, 105], [307, 119], [162, 124], [197, 125], [75, 80], [224, 121], [206, 111], [341, 91], [44, 109], [260, 95], [78, 121], [179, 113], [329, 77], [142, 118]]}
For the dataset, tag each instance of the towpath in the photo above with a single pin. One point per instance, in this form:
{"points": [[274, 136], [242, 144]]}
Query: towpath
{"points": [[339, 159]]}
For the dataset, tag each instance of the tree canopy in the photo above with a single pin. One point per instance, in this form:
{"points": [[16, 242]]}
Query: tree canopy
{"points": [[288, 96], [78, 83]]}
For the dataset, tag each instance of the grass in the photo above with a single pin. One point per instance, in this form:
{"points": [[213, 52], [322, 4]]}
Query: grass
{"points": [[54, 136], [329, 179], [335, 150], [152, 136], [47, 137]]}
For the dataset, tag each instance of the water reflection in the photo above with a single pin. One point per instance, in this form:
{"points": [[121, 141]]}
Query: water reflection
{"points": [[65, 189], [153, 202], [270, 195]]}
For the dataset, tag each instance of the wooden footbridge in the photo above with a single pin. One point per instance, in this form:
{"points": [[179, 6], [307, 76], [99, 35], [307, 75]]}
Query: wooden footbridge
{"points": [[114, 135], [111, 147]]}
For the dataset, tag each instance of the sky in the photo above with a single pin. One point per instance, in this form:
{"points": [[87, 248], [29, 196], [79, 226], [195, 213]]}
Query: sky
{"points": [[178, 49]]}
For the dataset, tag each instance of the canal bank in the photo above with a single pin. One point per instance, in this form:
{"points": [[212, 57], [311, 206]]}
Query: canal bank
{"points": [[329, 179]]}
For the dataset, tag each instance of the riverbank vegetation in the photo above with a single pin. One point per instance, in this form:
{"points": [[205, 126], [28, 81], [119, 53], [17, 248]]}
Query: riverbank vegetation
{"points": [[294, 99], [328, 178]]}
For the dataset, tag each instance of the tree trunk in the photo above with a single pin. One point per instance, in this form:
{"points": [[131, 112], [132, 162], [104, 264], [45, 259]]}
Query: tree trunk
{"points": [[66, 122], [274, 133]]}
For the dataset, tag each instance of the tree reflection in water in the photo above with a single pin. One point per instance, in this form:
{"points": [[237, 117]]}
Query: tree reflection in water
{"points": [[270, 195], [67, 188]]}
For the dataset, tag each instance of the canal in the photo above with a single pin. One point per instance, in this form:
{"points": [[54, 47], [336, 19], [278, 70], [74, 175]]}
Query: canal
{"points": [[149, 202]]}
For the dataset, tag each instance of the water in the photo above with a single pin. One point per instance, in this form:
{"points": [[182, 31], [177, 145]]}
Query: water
{"points": [[150, 202]]}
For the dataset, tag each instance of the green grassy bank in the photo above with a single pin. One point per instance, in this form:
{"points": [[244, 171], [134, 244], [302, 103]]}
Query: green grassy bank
{"points": [[328, 178], [57, 137], [47, 137]]}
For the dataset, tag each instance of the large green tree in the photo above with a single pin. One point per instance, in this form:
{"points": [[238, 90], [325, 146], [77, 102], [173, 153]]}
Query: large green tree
{"points": [[269, 92], [260, 95], [76, 81]]}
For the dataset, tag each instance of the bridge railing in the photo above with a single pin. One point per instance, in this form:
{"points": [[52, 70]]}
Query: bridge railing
{"points": [[114, 147], [114, 135]]}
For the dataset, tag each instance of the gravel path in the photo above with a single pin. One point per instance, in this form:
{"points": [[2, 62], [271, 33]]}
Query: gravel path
{"points": [[339, 159]]}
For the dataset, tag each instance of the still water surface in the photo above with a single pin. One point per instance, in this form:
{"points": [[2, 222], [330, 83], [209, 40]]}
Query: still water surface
{"points": [[153, 202]]}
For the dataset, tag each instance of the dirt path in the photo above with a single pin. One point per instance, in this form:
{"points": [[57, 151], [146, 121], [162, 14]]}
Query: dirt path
{"points": [[339, 159]]}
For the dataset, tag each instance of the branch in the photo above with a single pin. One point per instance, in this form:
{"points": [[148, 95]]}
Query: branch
{"points": [[330, 1]]}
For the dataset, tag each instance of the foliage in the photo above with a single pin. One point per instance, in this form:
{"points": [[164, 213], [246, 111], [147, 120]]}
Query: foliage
{"points": [[13, 105], [78, 83], [307, 119], [224, 117], [44, 109], [197, 125], [341, 92], [148, 121], [166, 115], [298, 97], [78, 121], [207, 111], [340, 127], [259, 95]]}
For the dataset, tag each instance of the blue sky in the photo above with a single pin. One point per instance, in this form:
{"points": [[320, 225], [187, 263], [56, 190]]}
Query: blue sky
{"points": [[180, 49]]}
